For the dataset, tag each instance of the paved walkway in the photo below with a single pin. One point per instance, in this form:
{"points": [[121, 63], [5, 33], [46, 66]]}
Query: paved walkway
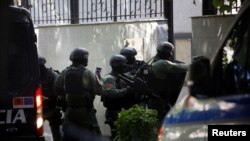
{"points": [[100, 116]]}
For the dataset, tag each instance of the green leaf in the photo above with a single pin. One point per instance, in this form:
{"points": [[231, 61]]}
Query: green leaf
{"points": [[136, 124], [224, 8], [227, 8], [217, 3]]}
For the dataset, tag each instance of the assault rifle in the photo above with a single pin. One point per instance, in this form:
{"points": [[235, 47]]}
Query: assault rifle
{"points": [[139, 85]]}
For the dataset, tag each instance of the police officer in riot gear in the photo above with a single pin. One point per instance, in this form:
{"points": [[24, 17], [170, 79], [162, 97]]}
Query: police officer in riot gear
{"points": [[50, 111], [129, 53], [166, 77], [165, 51], [132, 63], [79, 86], [116, 93]]}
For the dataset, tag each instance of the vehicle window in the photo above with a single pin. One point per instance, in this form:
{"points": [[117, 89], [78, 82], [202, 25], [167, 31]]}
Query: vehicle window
{"points": [[17, 59], [236, 58]]}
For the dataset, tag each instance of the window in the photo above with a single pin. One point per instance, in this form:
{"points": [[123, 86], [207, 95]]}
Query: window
{"points": [[235, 60]]}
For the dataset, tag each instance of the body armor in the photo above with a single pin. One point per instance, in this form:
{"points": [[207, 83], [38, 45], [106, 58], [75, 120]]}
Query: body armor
{"points": [[76, 94]]}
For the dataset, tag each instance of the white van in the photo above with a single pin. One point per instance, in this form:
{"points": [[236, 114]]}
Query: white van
{"points": [[219, 89]]}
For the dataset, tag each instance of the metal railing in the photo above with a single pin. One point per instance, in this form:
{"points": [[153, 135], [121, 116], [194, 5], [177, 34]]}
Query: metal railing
{"points": [[92, 11]]}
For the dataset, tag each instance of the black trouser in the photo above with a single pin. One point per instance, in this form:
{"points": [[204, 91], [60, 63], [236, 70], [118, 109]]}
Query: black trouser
{"points": [[55, 130], [111, 116], [73, 132]]}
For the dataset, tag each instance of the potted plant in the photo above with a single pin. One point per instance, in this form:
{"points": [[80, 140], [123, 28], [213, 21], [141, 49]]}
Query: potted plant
{"points": [[136, 124]]}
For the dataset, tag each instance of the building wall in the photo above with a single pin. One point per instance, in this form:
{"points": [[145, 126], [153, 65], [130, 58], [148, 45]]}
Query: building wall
{"points": [[183, 50], [102, 41], [208, 33], [183, 11]]}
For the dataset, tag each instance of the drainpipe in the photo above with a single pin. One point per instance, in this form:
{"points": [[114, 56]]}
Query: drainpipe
{"points": [[168, 14], [115, 10], [74, 11]]}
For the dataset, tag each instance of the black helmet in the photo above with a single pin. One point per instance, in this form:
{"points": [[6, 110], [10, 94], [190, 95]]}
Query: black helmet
{"points": [[41, 60], [128, 52], [118, 62], [165, 50], [79, 55]]}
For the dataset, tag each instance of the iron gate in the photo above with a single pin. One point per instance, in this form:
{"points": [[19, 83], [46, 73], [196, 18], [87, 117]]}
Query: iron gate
{"points": [[88, 11]]}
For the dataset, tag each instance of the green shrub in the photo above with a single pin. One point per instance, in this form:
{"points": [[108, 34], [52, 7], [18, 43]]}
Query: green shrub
{"points": [[224, 5], [136, 124]]}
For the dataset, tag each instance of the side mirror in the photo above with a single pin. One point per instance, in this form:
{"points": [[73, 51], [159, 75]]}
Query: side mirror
{"points": [[199, 77]]}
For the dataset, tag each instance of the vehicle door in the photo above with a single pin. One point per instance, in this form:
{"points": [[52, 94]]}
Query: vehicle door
{"points": [[19, 76]]}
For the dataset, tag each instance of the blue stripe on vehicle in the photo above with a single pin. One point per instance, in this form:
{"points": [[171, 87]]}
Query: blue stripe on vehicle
{"points": [[240, 110], [28, 101]]}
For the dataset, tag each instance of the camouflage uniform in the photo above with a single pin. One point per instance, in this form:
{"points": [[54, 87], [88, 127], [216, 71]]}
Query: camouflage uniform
{"points": [[115, 97], [166, 77], [79, 85], [116, 94]]}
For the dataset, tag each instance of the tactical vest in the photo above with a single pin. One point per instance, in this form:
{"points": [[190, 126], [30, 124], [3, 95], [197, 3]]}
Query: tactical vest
{"points": [[169, 87], [76, 94]]}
